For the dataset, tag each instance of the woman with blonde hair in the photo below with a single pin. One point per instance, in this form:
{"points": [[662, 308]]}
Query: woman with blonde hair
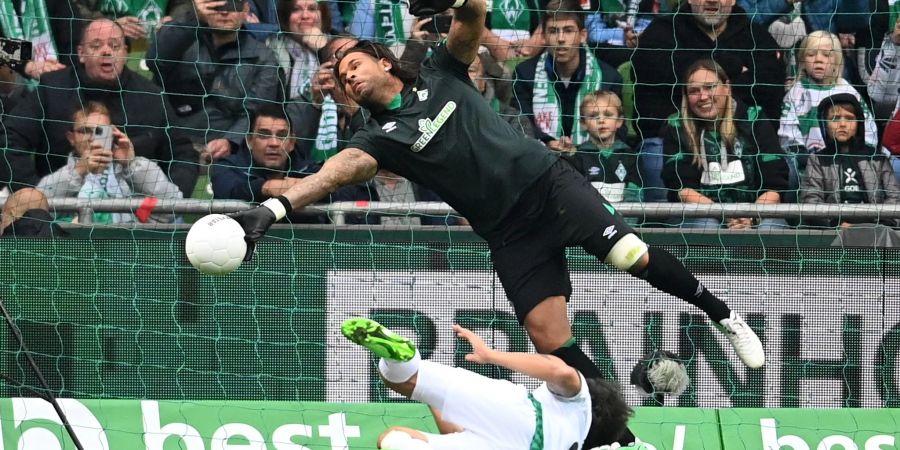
{"points": [[719, 150]]}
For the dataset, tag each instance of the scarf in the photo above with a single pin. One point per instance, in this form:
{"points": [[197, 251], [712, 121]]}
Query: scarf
{"points": [[511, 15], [148, 11], [326, 144], [304, 65], [547, 109], [105, 185], [390, 26], [32, 23]]}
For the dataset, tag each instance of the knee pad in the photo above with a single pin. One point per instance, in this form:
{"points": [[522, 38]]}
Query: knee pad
{"points": [[401, 440], [626, 252]]}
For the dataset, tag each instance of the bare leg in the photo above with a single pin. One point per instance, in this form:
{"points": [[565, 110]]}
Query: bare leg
{"points": [[548, 325]]}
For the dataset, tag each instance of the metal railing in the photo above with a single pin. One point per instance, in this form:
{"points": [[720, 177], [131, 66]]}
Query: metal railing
{"points": [[339, 211]]}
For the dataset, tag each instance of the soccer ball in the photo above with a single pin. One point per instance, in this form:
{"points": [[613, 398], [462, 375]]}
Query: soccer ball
{"points": [[215, 244]]}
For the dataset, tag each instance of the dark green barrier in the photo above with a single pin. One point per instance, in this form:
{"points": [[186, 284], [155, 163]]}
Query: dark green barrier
{"points": [[123, 315]]}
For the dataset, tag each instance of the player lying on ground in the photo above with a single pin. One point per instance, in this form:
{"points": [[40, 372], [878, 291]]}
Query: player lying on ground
{"points": [[433, 127], [480, 413]]}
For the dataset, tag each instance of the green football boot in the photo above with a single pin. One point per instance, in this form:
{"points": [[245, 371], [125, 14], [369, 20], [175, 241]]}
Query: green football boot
{"points": [[378, 339]]}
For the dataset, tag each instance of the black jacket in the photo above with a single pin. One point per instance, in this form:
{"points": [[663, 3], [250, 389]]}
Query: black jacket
{"points": [[523, 89], [236, 177], [33, 134], [672, 43]]}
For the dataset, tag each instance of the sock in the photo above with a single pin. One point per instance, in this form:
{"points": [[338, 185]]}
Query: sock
{"points": [[666, 273], [401, 440], [399, 371], [572, 355]]}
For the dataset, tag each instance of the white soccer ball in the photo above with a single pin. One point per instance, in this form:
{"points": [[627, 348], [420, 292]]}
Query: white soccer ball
{"points": [[215, 244]]}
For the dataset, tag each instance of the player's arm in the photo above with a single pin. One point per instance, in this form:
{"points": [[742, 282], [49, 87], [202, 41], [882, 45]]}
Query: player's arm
{"points": [[349, 166], [464, 38], [561, 378], [468, 24]]}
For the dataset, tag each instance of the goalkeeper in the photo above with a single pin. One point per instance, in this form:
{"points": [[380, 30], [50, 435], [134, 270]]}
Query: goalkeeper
{"points": [[479, 413], [432, 127]]}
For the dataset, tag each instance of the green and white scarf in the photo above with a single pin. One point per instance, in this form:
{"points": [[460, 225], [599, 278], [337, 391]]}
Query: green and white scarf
{"points": [[391, 26], [326, 144], [148, 12], [31, 23], [547, 109], [510, 16]]}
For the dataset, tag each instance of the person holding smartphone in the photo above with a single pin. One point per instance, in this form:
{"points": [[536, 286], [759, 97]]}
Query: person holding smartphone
{"points": [[102, 164]]}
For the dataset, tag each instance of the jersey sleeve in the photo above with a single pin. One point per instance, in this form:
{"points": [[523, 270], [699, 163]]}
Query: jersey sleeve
{"points": [[365, 141], [442, 61]]}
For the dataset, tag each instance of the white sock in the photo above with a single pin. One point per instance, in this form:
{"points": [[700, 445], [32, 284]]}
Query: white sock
{"points": [[399, 371]]}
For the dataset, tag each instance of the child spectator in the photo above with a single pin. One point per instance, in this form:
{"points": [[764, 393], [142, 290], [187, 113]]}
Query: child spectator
{"points": [[94, 171], [821, 64], [609, 163], [847, 170]]}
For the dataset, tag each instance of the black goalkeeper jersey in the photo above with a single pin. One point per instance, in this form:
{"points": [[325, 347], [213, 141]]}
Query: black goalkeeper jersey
{"points": [[441, 133]]}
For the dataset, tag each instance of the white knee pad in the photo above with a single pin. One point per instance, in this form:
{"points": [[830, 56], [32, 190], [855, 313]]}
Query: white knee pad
{"points": [[401, 440], [626, 252]]}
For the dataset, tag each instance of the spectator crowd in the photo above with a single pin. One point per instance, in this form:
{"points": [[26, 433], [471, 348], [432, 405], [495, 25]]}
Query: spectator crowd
{"points": [[692, 101]]}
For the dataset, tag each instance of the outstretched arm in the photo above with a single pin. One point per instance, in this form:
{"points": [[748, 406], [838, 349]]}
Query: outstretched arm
{"points": [[561, 378], [466, 30], [349, 166]]}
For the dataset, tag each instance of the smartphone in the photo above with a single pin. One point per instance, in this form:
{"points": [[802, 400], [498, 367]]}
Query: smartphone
{"points": [[440, 24], [103, 134]]}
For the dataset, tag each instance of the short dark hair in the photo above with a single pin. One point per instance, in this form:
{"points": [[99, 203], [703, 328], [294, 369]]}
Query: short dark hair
{"points": [[563, 10], [284, 9], [272, 111], [609, 413], [85, 26], [377, 51]]}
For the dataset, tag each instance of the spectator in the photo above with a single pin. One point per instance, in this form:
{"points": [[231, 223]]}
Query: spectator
{"points": [[821, 66], [607, 162], [214, 75], [700, 29], [34, 134], [720, 151], [487, 76], [847, 170], [50, 26], [266, 165], [513, 29], [93, 171], [26, 213], [298, 44], [550, 87], [138, 19], [836, 16], [884, 82]]}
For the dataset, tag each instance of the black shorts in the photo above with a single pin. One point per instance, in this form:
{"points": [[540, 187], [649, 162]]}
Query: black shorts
{"points": [[561, 209]]}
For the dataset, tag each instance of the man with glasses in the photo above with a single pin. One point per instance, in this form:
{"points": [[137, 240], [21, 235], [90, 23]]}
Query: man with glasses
{"points": [[266, 165], [33, 138], [434, 128]]}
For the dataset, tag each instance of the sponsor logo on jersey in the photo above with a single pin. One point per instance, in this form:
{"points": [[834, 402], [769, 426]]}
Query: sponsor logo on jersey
{"points": [[423, 95], [390, 126], [429, 127]]}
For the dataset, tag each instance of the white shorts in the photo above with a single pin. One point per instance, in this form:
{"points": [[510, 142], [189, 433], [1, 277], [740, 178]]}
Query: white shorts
{"points": [[495, 414]]}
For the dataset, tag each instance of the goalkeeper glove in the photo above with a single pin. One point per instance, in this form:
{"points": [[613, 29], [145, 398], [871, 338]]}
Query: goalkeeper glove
{"points": [[257, 221], [422, 8]]}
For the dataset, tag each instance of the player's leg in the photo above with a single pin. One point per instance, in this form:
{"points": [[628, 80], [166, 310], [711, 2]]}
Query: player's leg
{"points": [[593, 223]]}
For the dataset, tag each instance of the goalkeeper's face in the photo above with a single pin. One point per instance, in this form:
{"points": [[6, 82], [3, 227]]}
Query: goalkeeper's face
{"points": [[365, 79]]}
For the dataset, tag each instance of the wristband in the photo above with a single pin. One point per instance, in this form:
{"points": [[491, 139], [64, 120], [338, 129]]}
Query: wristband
{"points": [[458, 4], [280, 206]]}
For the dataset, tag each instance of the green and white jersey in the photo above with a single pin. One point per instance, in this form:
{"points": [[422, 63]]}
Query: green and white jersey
{"points": [[441, 133], [800, 115]]}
